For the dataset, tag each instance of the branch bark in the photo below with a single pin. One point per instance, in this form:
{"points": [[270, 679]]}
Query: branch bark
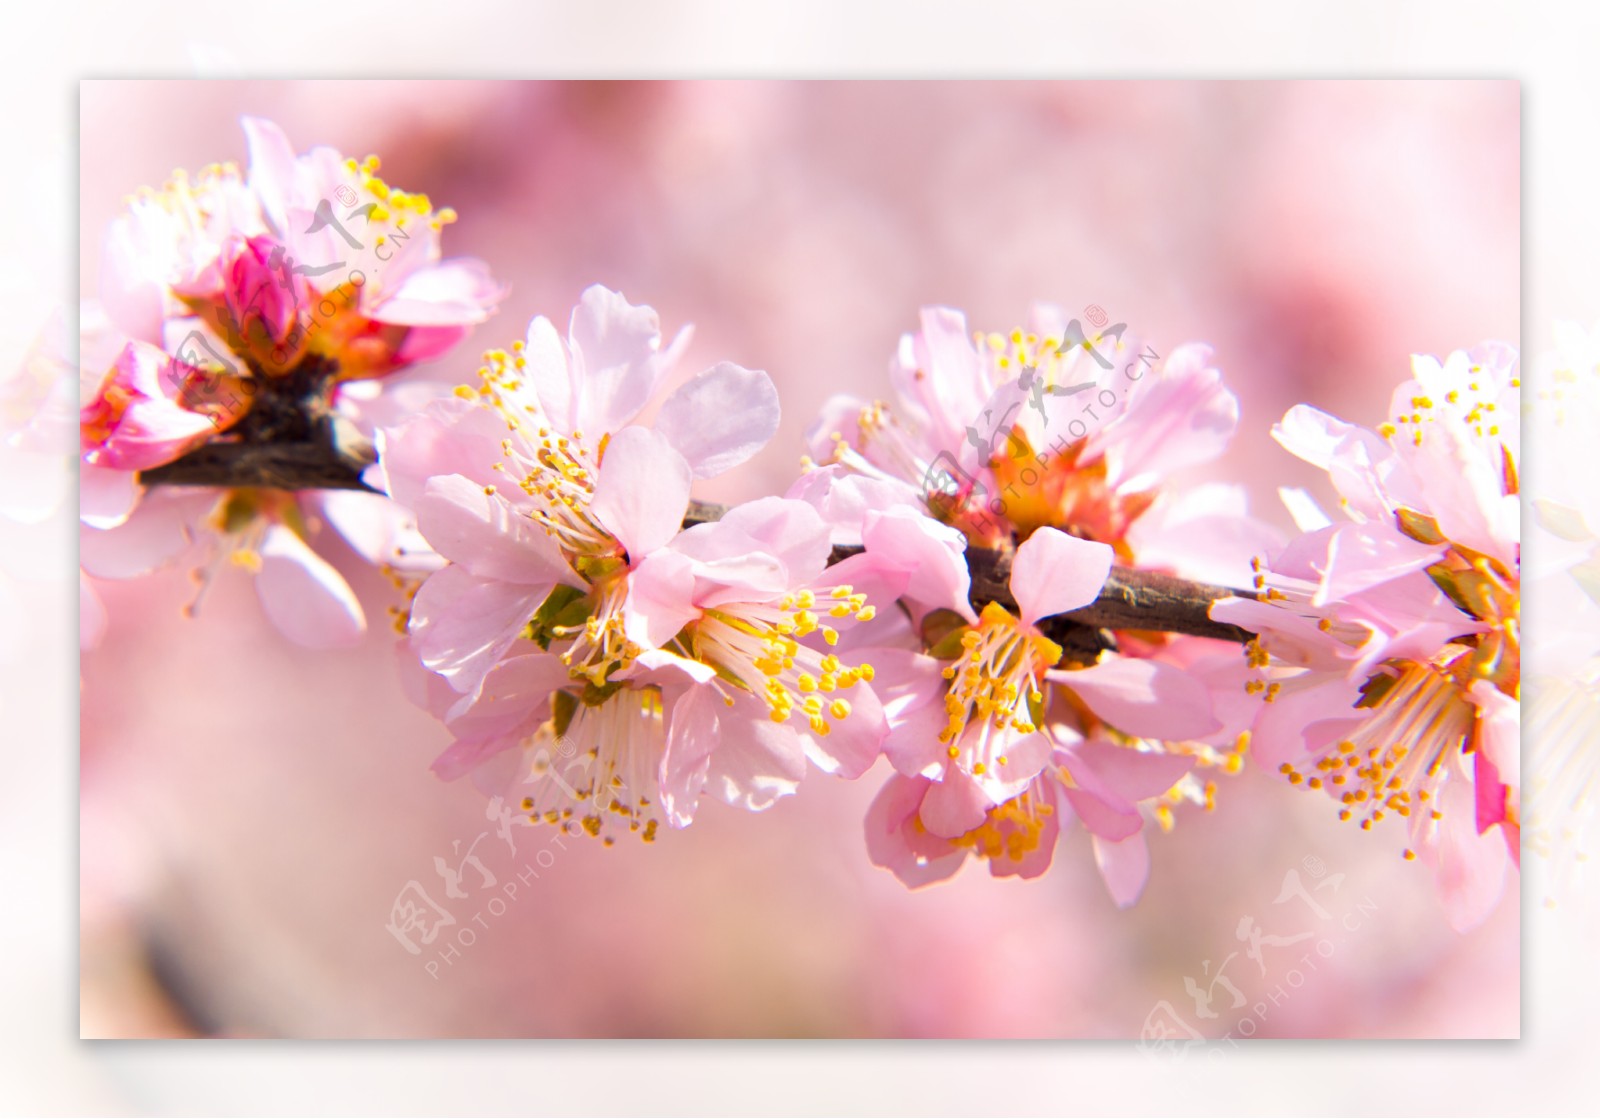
{"points": [[1148, 601]]}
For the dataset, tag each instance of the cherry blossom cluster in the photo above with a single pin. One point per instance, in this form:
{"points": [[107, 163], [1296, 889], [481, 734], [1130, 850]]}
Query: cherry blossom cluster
{"points": [[595, 642]]}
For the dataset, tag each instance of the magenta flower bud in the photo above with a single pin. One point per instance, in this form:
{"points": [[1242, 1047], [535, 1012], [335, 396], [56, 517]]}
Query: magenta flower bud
{"points": [[264, 300]]}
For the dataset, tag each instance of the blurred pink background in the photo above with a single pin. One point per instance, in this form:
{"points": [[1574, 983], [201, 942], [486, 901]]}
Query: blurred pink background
{"points": [[250, 811]]}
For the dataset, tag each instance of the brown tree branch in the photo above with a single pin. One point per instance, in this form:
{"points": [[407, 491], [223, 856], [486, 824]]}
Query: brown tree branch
{"points": [[1148, 601]]}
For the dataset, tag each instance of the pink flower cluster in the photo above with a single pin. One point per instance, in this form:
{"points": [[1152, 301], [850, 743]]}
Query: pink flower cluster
{"points": [[597, 644], [1388, 670], [241, 309]]}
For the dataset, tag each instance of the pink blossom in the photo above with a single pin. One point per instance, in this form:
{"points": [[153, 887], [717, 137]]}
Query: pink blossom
{"points": [[716, 682], [999, 435], [536, 479], [1388, 666], [263, 532], [685, 657], [226, 302], [141, 414], [998, 737], [384, 296]]}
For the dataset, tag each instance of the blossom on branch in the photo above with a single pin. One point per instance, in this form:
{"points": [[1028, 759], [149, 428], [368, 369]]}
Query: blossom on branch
{"points": [[246, 310], [1389, 657], [667, 660]]}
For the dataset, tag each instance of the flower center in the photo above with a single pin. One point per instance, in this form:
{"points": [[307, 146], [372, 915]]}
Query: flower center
{"points": [[995, 686], [600, 645], [1398, 760], [1012, 830], [1062, 492], [595, 765], [557, 470], [754, 647], [396, 208]]}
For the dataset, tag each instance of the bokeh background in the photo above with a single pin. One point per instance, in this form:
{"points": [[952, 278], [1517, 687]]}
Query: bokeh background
{"points": [[251, 811]]}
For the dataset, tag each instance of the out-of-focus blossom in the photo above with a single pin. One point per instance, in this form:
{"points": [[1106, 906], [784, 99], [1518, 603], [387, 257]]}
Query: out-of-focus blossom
{"points": [[1390, 640], [138, 420], [1563, 592], [255, 310], [576, 612], [38, 400]]}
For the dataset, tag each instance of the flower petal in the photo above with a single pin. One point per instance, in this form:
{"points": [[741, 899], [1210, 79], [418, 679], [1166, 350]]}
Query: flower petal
{"points": [[1124, 865], [461, 624], [691, 737], [304, 596], [720, 418], [106, 497], [889, 824], [955, 805], [615, 366], [641, 491], [1143, 697], [450, 293], [484, 534], [853, 743], [660, 598], [756, 762], [1053, 573]]}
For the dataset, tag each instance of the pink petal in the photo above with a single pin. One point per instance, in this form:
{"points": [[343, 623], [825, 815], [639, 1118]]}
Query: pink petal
{"points": [[854, 742], [1124, 866], [272, 167], [692, 734], [449, 437], [1311, 434], [304, 596], [1105, 817], [550, 374], [1464, 489], [424, 343], [451, 293], [641, 491], [955, 805], [1470, 867], [462, 624], [1143, 698], [720, 418], [106, 497], [488, 537], [657, 666], [616, 344], [382, 531], [1035, 862], [791, 531], [155, 534], [660, 598], [1362, 556], [1500, 730], [1132, 775], [1305, 720], [756, 761], [888, 825], [1053, 573], [129, 295], [1181, 417], [844, 499], [931, 556]]}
